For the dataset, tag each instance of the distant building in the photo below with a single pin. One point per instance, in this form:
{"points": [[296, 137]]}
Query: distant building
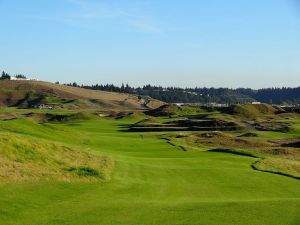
{"points": [[211, 104], [218, 105], [21, 78], [17, 78], [256, 103]]}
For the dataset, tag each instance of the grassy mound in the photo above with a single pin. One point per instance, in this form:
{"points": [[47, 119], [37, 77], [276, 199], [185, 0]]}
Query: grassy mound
{"points": [[147, 122], [150, 125], [223, 140], [165, 110], [279, 166], [127, 115], [41, 117], [252, 110], [24, 158], [174, 110]]}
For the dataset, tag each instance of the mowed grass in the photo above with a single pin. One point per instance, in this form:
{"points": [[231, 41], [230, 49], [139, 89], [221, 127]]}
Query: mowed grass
{"points": [[152, 183]]}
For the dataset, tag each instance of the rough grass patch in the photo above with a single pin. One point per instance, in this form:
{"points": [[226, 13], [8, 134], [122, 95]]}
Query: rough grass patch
{"points": [[24, 158], [280, 166]]}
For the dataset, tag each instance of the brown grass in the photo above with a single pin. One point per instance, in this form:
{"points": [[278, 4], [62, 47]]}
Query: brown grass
{"points": [[15, 90], [24, 158], [279, 166], [252, 111], [220, 139], [254, 145]]}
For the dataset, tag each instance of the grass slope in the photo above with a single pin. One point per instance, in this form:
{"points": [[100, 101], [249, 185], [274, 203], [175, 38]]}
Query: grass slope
{"points": [[153, 183], [24, 158], [25, 93], [254, 110], [279, 166]]}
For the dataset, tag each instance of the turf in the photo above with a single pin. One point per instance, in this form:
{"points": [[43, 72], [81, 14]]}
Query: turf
{"points": [[153, 183]]}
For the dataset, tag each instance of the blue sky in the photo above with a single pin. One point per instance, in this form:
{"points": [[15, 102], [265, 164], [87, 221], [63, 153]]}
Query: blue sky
{"points": [[233, 43]]}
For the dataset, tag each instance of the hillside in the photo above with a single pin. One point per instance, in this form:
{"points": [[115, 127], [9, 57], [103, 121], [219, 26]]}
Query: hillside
{"points": [[25, 94]]}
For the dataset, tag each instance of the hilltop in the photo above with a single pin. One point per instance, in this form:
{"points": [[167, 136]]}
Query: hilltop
{"points": [[28, 93]]}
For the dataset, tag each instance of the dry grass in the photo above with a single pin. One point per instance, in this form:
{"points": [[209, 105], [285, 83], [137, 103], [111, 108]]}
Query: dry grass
{"points": [[16, 90], [175, 110], [253, 145], [24, 158], [279, 166], [252, 111], [222, 140]]}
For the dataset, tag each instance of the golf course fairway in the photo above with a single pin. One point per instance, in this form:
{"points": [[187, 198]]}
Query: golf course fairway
{"points": [[152, 183]]}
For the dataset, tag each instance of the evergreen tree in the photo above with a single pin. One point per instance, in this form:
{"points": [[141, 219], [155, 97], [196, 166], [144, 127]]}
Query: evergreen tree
{"points": [[5, 76]]}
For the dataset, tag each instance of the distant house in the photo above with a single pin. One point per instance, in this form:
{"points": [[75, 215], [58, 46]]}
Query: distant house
{"points": [[21, 78], [256, 103], [218, 105], [18, 78]]}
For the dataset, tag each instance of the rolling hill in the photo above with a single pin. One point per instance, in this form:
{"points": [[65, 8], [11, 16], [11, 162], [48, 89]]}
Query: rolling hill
{"points": [[26, 94]]}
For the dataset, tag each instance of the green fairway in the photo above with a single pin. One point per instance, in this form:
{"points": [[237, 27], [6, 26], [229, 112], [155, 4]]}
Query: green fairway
{"points": [[152, 183]]}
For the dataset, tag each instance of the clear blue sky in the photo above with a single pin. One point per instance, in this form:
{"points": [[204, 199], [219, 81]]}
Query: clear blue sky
{"points": [[232, 43]]}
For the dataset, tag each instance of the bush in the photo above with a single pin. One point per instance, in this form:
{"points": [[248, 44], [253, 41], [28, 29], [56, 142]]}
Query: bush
{"points": [[84, 171]]}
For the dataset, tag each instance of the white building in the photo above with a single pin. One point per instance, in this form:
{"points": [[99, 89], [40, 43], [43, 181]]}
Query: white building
{"points": [[20, 78], [17, 78]]}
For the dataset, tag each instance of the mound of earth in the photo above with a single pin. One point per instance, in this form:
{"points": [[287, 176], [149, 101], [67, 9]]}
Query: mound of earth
{"points": [[150, 125], [54, 117], [23, 158], [176, 110], [36, 93], [121, 115], [253, 110], [147, 122], [285, 167], [219, 139], [165, 110]]}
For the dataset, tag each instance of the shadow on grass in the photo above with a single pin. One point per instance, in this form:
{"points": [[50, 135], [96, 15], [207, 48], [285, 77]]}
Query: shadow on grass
{"points": [[130, 128], [253, 166], [232, 151]]}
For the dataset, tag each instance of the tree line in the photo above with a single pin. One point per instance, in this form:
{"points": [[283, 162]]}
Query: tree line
{"points": [[205, 95], [6, 76]]}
